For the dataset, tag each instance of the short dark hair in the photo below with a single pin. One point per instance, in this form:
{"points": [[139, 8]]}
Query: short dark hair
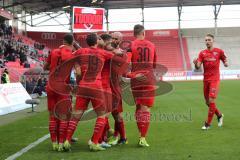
{"points": [[68, 38], [92, 39], [138, 29], [106, 37], [210, 35]]}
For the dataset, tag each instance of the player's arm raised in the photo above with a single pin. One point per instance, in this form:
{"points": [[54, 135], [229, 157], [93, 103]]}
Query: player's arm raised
{"points": [[225, 64], [198, 61], [224, 59]]}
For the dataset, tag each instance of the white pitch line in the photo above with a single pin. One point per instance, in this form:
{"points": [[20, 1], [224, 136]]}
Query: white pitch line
{"points": [[30, 146]]}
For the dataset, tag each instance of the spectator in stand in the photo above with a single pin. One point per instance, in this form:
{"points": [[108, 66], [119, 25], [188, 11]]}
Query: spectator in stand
{"points": [[45, 81], [5, 77], [1, 51], [2, 63], [4, 29], [28, 85], [22, 56], [12, 48], [1, 33], [9, 31], [40, 86]]}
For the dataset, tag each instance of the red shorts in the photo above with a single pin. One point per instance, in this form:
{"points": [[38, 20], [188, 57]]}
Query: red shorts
{"points": [[89, 93], [82, 104], [144, 95], [54, 98], [211, 89]]}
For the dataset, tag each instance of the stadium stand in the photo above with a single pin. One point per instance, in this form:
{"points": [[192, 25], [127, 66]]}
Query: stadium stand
{"points": [[166, 41], [167, 46], [19, 52], [50, 39], [168, 50]]}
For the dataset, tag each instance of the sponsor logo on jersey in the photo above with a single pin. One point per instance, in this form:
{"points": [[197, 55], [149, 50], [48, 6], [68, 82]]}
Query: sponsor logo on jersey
{"points": [[210, 59]]}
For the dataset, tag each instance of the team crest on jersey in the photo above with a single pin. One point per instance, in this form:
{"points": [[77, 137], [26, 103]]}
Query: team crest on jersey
{"points": [[215, 53]]}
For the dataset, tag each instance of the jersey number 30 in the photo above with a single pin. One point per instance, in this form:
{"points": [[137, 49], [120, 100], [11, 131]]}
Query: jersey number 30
{"points": [[143, 54]]}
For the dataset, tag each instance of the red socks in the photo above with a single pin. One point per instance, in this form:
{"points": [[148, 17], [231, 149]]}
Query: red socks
{"points": [[72, 125], [218, 113], [53, 122], [121, 129], [105, 130], [211, 112], [98, 130], [62, 130], [143, 121]]}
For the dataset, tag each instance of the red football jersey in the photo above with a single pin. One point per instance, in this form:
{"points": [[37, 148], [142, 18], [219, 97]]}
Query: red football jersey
{"points": [[143, 55], [143, 61], [66, 53], [211, 61], [58, 56], [91, 62], [106, 74]]}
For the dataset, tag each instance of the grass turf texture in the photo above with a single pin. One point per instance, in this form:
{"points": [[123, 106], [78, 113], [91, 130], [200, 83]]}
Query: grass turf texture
{"points": [[173, 134]]}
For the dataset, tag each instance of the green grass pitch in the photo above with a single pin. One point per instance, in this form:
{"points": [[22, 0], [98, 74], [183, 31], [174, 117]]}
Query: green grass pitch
{"points": [[174, 133]]}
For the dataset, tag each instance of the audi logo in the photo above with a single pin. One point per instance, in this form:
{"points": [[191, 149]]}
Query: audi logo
{"points": [[48, 36]]}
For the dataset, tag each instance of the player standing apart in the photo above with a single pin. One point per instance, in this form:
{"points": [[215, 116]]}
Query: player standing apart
{"points": [[143, 61], [210, 58]]}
